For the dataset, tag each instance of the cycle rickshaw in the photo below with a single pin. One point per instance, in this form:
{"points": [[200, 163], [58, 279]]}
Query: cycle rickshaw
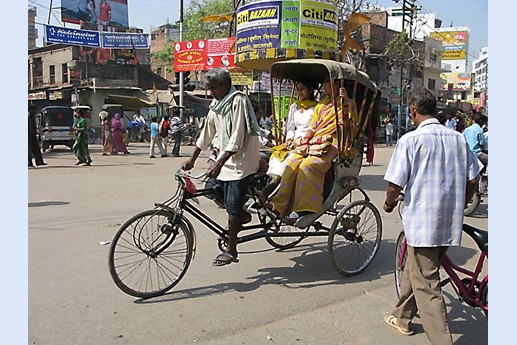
{"points": [[152, 250]]}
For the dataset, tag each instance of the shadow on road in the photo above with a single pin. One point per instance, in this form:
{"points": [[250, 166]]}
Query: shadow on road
{"points": [[48, 203]]}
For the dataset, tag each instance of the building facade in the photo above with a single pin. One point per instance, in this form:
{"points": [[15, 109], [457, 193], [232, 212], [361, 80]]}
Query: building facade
{"points": [[64, 75], [161, 38], [480, 78], [33, 32]]}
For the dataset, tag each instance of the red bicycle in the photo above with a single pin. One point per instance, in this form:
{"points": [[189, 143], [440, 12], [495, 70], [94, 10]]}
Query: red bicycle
{"points": [[470, 287]]}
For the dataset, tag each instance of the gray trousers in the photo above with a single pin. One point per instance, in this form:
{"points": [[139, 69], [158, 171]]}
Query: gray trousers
{"points": [[421, 292], [158, 142]]}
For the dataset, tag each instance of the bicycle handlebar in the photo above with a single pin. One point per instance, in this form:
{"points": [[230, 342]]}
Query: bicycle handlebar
{"points": [[181, 172]]}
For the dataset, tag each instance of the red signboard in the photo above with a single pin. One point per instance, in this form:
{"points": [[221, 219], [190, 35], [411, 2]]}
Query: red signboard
{"points": [[202, 55], [190, 56], [219, 53]]}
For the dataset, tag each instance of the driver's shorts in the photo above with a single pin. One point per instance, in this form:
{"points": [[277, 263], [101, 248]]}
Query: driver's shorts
{"points": [[235, 194]]}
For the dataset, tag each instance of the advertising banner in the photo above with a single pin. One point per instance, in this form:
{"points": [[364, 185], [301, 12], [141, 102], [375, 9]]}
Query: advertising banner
{"points": [[112, 13], [87, 38], [202, 55], [460, 81], [454, 43], [258, 26], [56, 34], [121, 40], [305, 24], [241, 76], [318, 25], [218, 53], [190, 56], [290, 24]]}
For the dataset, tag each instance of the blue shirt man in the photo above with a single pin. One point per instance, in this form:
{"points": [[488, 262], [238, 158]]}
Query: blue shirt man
{"points": [[475, 137]]}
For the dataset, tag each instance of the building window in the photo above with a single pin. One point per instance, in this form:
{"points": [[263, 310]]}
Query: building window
{"points": [[64, 73], [52, 74], [37, 72], [433, 58], [431, 84]]}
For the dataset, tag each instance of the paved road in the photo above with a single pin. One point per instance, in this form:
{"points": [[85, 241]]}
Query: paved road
{"points": [[270, 297]]}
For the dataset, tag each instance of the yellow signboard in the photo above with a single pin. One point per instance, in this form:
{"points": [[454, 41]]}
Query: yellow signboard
{"points": [[454, 43], [241, 76], [318, 25]]}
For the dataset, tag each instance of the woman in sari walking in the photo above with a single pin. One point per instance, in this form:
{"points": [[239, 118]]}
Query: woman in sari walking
{"points": [[107, 138], [81, 139], [301, 186], [116, 131]]}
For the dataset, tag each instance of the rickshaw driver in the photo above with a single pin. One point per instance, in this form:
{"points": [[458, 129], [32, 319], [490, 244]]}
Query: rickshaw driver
{"points": [[232, 120]]}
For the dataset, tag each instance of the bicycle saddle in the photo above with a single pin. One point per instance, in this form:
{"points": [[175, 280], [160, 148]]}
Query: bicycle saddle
{"points": [[479, 236]]}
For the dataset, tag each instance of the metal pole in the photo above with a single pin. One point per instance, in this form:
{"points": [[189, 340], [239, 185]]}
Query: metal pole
{"points": [[49, 12], [181, 73], [401, 74]]}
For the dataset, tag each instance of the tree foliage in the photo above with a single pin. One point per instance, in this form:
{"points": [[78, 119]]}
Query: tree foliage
{"points": [[399, 48], [195, 29]]}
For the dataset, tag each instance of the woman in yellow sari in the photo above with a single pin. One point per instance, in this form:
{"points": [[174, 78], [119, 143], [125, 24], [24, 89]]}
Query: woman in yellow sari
{"points": [[301, 186]]}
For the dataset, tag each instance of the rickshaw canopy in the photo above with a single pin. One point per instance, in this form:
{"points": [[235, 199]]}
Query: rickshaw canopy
{"points": [[318, 69]]}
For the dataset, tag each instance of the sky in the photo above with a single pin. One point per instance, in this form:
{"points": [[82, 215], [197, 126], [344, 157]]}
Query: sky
{"points": [[153, 13]]}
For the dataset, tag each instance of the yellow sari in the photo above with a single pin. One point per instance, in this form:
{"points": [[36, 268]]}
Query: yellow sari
{"points": [[301, 187]]}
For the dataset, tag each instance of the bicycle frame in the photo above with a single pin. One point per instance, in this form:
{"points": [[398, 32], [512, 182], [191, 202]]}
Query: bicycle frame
{"points": [[183, 204], [471, 294]]}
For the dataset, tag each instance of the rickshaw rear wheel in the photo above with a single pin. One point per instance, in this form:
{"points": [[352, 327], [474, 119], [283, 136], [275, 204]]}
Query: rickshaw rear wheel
{"points": [[355, 237], [284, 242]]}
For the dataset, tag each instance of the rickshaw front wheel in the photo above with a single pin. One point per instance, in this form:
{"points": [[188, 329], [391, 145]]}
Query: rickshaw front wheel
{"points": [[355, 237]]}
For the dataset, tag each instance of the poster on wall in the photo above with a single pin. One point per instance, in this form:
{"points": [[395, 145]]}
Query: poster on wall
{"points": [[305, 24], [101, 13]]}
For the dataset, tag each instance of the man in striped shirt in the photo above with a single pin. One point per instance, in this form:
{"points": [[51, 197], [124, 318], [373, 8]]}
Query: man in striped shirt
{"points": [[438, 172]]}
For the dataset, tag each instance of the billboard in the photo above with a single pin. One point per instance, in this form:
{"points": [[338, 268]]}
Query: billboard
{"points": [[112, 40], [202, 55], [454, 42], [294, 24], [460, 81], [107, 13]]}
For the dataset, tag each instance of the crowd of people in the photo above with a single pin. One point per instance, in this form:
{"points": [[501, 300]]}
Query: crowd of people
{"points": [[114, 137], [472, 124]]}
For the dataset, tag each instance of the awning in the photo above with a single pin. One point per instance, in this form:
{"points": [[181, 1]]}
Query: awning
{"points": [[130, 102]]}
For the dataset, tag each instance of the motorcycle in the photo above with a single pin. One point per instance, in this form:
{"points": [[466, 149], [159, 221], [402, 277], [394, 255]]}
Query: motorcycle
{"points": [[481, 190]]}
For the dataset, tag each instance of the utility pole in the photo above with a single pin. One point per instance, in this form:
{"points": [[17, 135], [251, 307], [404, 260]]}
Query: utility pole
{"points": [[182, 86], [408, 7]]}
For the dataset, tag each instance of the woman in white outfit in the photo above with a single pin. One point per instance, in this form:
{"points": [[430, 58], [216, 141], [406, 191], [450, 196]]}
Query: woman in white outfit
{"points": [[298, 119]]}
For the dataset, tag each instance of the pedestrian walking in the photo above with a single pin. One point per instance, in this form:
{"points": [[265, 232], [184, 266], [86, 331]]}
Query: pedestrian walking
{"points": [[177, 129], [163, 132], [389, 133], [80, 146], [156, 139], [107, 138], [370, 148], [116, 131], [438, 173], [34, 148]]}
